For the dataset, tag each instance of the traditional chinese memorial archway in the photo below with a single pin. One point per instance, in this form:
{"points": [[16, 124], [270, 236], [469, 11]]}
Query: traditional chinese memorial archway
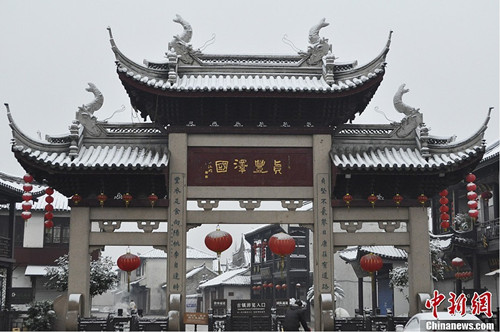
{"points": [[248, 128]]}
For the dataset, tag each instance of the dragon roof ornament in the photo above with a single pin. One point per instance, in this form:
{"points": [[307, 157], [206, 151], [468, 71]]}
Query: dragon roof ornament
{"points": [[319, 46], [180, 43]]}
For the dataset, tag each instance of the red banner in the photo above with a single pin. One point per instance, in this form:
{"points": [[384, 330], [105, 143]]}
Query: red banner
{"points": [[270, 167]]}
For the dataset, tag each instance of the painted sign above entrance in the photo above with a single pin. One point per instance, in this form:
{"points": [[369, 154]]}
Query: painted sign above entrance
{"points": [[270, 167]]}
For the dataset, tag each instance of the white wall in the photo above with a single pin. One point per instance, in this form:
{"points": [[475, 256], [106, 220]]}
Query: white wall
{"points": [[34, 231]]}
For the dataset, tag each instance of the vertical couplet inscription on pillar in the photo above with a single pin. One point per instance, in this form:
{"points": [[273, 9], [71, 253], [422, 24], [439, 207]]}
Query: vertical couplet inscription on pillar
{"points": [[177, 211], [324, 231]]}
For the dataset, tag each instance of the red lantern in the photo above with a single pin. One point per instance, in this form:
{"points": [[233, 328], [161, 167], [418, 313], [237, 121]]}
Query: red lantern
{"points": [[486, 195], [472, 204], [397, 199], [102, 198], [218, 241], [152, 199], [258, 288], [49, 207], [26, 205], [270, 285], [372, 199], [457, 262], [278, 287], [471, 186], [444, 208], [470, 177], [49, 191], [443, 192], [49, 199], [284, 286], [445, 216], [27, 197], [445, 224], [422, 199], [128, 262], [443, 201], [27, 187], [26, 215], [49, 215], [48, 224], [371, 263], [282, 244], [127, 198], [347, 199], [28, 178], [471, 195], [474, 213], [76, 199]]}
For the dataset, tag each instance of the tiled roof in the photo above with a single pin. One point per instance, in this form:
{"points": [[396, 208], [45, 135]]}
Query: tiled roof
{"points": [[265, 82], [100, 157], [492, 151], [60, 203], [232, 277], [387, 252], [399, 159]]}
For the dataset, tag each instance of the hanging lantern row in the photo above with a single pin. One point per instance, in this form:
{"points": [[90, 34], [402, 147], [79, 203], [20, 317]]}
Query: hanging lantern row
{"points": [[466, 275], [472, 196], [48, 223], [128, 262], [127, 198], [445, 217], [27, 197], [372, 199]]}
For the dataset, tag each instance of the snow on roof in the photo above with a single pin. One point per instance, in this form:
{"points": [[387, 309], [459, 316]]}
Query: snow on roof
{"points": [[491, 151], [191, 253], [232, 277], [37, 270], [15, 184], [101, 157], [388, 252], [392, 158], [195, 270]]}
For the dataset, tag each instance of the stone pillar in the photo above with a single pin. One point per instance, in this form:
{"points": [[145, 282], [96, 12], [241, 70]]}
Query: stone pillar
{"points": [[419, 257], [79, 260], [176, 248], [324, 305]]}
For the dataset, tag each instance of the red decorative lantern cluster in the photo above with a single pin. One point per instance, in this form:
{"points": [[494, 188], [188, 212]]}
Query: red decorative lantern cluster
{"points": [[372, 199], [128, 262], [102, 198], [218, 241], [472, 196], [422, 199], [348, 199], [152, 199], [397, 199], [371, 263], [466, 275], [445, 217], [127, 198], [49, 208], [76, 199], [282, 244], [27, 197]]}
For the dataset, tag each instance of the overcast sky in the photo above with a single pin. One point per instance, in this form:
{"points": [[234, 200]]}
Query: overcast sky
{"points": [[447, 52]]}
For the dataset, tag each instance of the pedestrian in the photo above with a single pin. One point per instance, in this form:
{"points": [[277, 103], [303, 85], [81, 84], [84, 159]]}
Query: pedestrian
{"points": [[295, 315], [132, 307]]}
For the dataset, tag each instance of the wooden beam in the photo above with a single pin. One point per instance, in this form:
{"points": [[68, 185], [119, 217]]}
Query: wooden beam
{"points": [[371, 239], [128, 239], [252, 217], [128, 214], [370, 214]]}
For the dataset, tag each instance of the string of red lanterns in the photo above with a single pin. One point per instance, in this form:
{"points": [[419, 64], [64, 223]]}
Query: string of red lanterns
{"points": [[445, 217], [466, 275], [27, 197], [48, 223], [472, 196]]}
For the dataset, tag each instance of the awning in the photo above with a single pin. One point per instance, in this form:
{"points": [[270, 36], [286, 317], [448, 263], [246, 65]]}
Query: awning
{"points": [[492, 273], [37, 270]]}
